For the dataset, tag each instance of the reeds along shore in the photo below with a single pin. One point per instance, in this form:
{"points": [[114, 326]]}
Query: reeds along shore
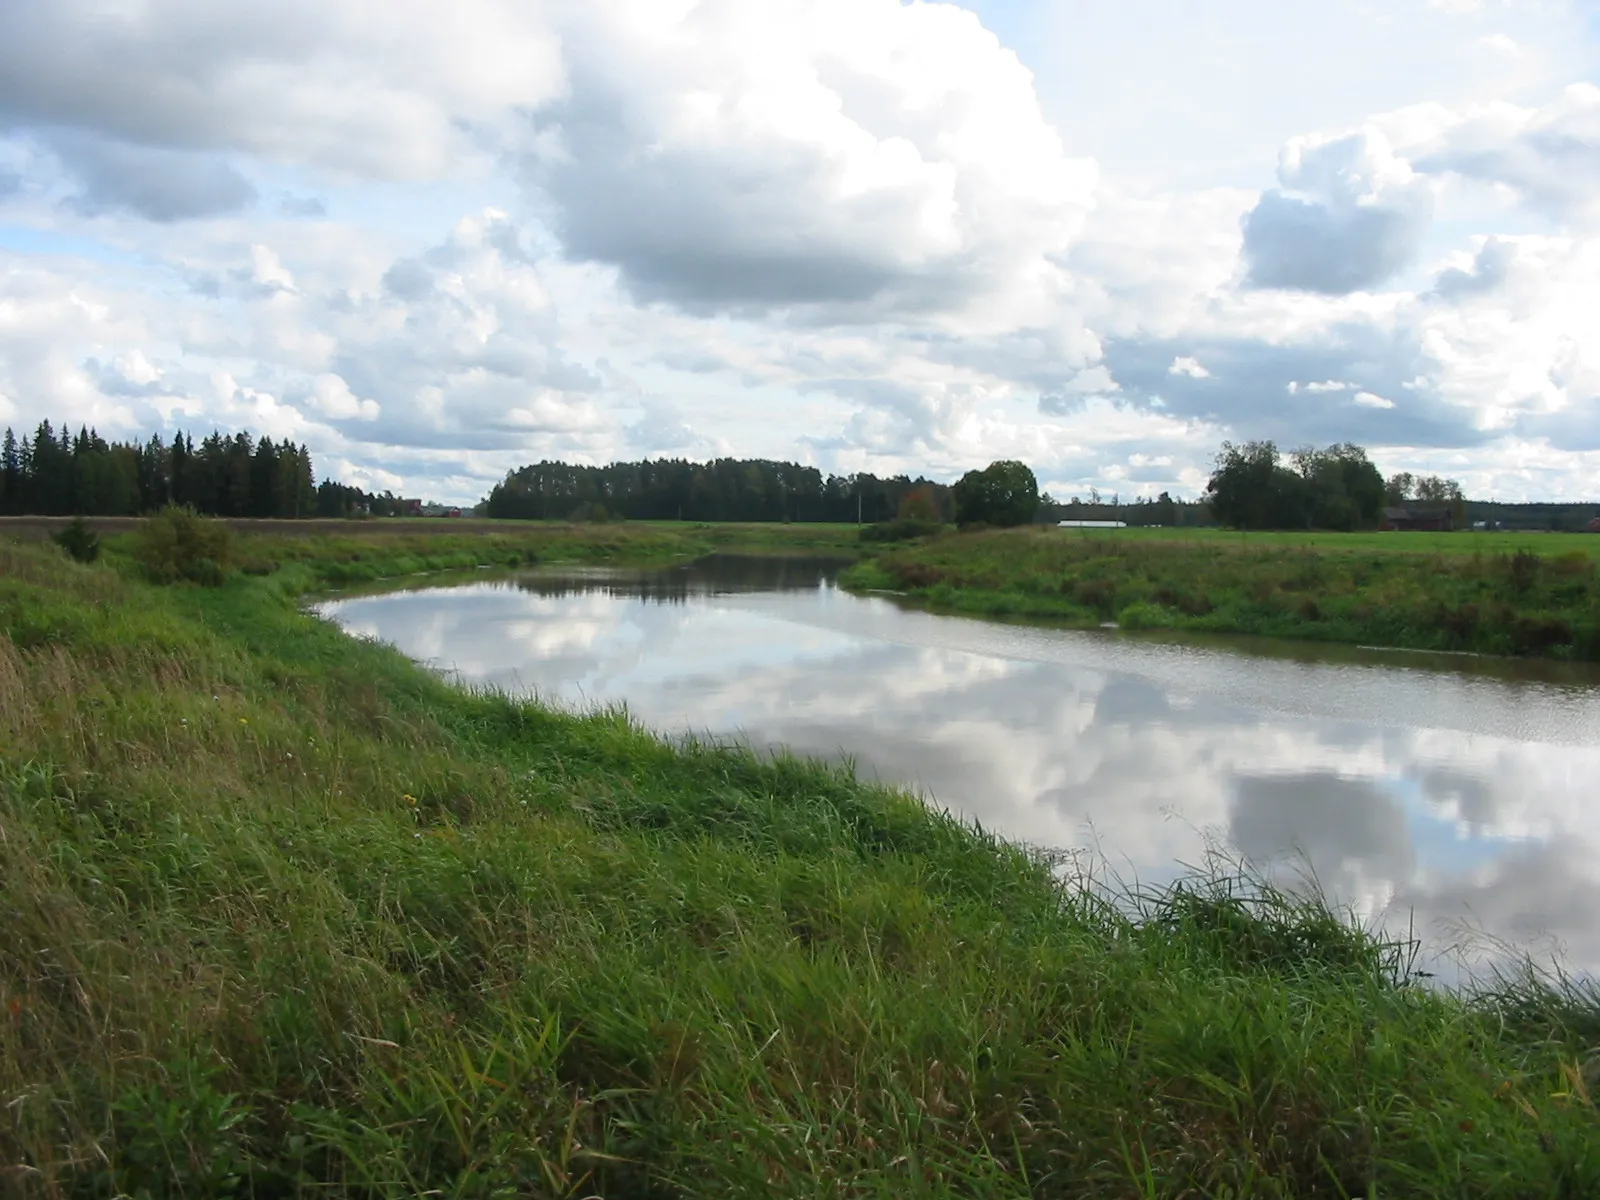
{"points": [[284, 915], [1491, 594]]}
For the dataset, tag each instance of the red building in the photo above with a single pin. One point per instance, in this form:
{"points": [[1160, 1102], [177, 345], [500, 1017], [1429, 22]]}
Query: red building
{"points": [[1433, 518]]}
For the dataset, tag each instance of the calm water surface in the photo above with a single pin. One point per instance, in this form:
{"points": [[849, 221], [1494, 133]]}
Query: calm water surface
{"points": [[1457, 797]]}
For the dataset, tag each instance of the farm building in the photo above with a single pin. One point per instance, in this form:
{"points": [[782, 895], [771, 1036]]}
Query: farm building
{"points": [[1436, 518], [1091, 524], [1594, 525]]}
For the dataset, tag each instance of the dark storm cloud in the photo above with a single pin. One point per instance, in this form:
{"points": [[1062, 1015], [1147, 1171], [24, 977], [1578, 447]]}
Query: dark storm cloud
{"points": [[160, 185]]}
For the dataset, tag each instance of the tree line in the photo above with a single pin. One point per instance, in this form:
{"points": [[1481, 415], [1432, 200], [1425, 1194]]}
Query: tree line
{"points": [[1336, 487], [58, 473], [724, 489]]}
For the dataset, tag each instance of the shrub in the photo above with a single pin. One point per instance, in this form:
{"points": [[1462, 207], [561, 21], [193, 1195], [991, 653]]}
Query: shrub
{"points": [[176, 544], [78, 540], [916, 575], [1461, 623], [902, 530], [1098, 594], [1144, 615], [1539, 633], [1523, 567]]}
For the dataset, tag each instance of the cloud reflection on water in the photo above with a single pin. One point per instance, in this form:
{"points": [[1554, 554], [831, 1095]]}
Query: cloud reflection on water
{"points": [[1418, 794]]}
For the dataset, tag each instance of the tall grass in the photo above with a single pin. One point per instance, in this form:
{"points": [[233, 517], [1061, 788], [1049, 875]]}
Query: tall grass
{"points": [[285, 915], [1505, 602], [311, 557]]}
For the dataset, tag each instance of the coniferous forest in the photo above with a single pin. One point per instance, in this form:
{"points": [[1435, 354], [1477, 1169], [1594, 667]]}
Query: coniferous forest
{"points": [[60, 473]]}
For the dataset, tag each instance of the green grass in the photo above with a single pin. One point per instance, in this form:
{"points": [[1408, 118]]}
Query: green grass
{"points": [[1495, 594], [313, 558], [285, 915], [1460, 542]]}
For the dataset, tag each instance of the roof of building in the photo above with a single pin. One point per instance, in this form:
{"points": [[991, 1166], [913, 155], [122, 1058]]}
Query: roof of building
{"points": [[1416, 512]]}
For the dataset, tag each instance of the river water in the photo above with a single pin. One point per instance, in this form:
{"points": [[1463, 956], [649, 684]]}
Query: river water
{"points": [[1457, 798]]}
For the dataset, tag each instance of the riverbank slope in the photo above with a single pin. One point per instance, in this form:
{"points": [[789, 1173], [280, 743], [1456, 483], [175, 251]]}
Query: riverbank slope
{"points": [[328, 553], [1495, 595], [286, 915]]}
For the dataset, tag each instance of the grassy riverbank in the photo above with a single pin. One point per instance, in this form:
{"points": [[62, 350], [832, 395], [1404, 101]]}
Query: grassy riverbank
{"points": [[1494, 594], [285, 915], [327, 554]]}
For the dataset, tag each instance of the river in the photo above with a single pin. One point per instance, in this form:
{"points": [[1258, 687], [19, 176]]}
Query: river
{"points": [[1457, 798]]}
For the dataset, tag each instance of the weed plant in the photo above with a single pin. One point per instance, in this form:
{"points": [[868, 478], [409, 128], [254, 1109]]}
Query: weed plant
{"points": [[1506, 601], [79, 541], [286, 915]]}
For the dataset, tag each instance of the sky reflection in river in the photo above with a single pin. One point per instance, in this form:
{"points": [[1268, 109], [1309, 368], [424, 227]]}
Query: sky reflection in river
{"points": [[1449, 797]]}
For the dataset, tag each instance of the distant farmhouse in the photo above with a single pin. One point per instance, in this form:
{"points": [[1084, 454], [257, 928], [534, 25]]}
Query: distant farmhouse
{"points": [[1091, 524], [1594, 525], [1433, 518]]}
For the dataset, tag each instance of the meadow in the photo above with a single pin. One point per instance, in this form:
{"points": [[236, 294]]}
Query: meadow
{"points": [[1458, 542], [286, 915], [329, 553], [1489, 593]]}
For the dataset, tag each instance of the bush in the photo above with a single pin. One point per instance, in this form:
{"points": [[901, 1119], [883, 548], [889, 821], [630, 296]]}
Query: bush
{"points": [[176, 544], [1144, 615], [78, 540], [902, 530]]}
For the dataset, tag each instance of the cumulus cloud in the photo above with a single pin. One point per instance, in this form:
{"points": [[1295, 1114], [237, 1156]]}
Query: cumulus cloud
{"points": [[1349, 213], [816, 227], [331, 396], [159, 185], [830, 152], [1549, 155], [390, 91], [1488, 271], [1258, 387]]}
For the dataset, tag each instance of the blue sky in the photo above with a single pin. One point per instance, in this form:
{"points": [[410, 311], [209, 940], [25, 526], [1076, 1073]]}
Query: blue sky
{"points": [[860, 233]]}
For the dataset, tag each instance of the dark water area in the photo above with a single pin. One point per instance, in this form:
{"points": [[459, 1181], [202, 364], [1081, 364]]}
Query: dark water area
{"points": [[1455, 797]]}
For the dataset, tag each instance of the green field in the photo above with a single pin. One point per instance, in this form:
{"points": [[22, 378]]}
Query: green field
{"points": [[285, 915], [1460, 542], [1502, 594]]}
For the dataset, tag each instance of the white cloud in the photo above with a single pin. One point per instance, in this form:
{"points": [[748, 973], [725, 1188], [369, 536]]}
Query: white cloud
{"points": [[1501, 44], [435, 245], [331, 396], [842, 152], [1348, 215], [1550, 155], [391, 90]]}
